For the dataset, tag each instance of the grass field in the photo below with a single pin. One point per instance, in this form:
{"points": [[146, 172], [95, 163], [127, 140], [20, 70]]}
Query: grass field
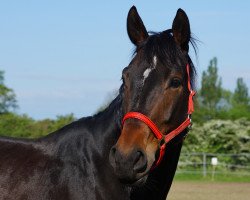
{"points": [[220, 177], [203, 190]]}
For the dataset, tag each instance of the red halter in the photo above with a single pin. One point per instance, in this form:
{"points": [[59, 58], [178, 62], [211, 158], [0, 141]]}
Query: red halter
{"points": [[164, 139]]}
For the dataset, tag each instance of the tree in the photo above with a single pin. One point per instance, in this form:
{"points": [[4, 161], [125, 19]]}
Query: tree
{"points": [[8, 100], [14, 125], [240, 96], [210, 92]]}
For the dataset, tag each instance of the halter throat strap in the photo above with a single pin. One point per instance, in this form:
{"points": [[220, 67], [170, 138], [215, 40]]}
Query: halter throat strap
{"points": [[162, 138]]}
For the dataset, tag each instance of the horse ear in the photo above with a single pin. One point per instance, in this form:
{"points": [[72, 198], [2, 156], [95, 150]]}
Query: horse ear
{"points": [[136, 30], [181, 29]]}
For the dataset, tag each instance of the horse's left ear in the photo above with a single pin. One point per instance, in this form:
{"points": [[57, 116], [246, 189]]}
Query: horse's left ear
{"points": [[181, 30]]}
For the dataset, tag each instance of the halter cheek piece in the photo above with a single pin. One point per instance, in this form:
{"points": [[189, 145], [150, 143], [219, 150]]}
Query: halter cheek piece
{"points": [[164, 139]]}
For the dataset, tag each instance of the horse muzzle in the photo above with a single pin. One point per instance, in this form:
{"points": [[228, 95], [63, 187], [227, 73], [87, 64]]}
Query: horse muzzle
{"points": [[129, 167]]}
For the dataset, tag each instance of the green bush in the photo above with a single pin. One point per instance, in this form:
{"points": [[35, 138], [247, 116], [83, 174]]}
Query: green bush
{"points": [[14, 125], [219, 136]]}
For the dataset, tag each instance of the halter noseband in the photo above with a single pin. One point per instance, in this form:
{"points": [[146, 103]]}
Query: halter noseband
{"points": [[164, 139]]}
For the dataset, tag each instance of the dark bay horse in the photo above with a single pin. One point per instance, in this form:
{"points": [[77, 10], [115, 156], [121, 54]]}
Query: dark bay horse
{"points": [[99, 158]]}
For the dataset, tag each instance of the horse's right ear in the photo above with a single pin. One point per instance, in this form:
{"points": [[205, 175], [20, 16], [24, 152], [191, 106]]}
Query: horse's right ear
{"points": [[136, 30], [181, 29]]}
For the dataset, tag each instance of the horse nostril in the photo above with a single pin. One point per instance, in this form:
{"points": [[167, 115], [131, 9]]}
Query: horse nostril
{"points": [[113, 150], [140, 163]]}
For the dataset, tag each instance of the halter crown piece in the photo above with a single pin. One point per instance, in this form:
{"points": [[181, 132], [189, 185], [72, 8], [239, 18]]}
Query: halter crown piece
{"points": [[164, 139]]}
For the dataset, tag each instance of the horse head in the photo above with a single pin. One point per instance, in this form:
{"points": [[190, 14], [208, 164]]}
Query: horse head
{"points": [[156, 86]]}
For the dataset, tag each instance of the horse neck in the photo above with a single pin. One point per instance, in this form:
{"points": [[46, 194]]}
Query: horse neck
{"points": [[98, 132], [107, 124]]}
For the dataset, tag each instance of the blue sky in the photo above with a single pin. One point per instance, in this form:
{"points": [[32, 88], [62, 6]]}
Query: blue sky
{"points": [[65, 57]]}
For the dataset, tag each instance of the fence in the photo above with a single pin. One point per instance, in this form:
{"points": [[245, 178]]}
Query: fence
{"points": [[210, 164]]}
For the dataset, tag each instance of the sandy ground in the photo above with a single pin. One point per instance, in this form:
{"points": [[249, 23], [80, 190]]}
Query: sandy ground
{"points": [[208, 191]]}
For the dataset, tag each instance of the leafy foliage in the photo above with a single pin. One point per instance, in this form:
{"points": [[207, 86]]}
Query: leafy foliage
{"points": [[210, 91], [8, 100], [215, 102], [219, 136], [240, 97], [23, 126]]}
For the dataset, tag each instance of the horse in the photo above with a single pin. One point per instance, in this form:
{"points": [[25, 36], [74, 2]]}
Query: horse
{"points": [[109, 156]]}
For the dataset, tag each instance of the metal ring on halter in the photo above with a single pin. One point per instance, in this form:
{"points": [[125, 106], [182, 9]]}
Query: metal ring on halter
{"points": [[162, 142]]}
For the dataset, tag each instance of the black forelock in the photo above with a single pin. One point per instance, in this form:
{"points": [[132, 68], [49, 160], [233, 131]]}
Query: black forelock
{"points": [[161, 45]]}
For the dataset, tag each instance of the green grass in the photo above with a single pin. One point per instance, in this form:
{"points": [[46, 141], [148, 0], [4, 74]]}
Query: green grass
{"points": [[219, 177]]}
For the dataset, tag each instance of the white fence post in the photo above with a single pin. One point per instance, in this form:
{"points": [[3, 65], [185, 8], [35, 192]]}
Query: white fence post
{"points": [[204, 164]]}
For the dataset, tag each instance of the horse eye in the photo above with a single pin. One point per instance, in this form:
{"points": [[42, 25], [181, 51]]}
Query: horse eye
{"points": [[175, 83], [124, 80]]}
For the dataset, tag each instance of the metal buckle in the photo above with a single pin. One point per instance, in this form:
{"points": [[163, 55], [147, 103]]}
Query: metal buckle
{"points": [[191, 124]]}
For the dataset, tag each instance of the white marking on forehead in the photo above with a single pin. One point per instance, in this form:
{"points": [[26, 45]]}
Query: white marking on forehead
{"points": [[154, 61], [146, 73], [148, 70]]}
